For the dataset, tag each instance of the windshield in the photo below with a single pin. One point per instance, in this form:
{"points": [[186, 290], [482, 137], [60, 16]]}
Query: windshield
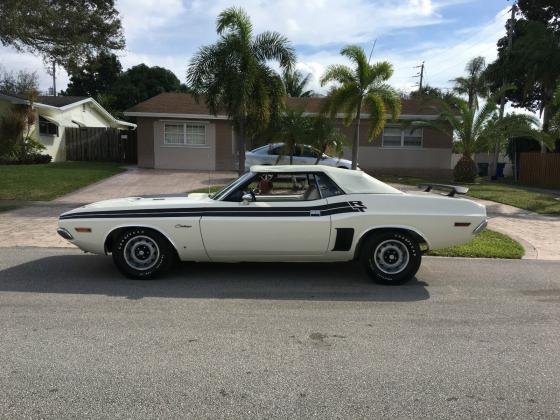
{"points": [[219, 194]]}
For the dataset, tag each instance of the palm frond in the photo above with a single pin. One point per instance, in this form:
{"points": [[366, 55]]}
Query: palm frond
{"points": [[381, 71], [236, 20], [337, 73], [344, 98], [274, 46], [357, 55], [376, 108], [390, 98]]}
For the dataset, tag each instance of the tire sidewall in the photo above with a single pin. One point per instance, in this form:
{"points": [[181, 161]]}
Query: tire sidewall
{"points": [[163, 262], [415, 258]]}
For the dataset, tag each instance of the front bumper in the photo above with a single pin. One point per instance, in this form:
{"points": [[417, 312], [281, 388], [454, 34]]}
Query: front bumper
{"points": [[65, 234]]}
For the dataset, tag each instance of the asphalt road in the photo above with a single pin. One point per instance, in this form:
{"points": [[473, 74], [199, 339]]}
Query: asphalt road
{"points": [[469, 338]]}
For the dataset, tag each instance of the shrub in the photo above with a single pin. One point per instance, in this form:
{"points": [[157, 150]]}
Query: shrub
{"points": [[11, 129], [28, 147], [34, 158], [465, 170]]}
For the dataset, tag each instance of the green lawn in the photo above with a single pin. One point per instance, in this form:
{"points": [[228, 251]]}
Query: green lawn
{"points": [[501, 192], [487, 244], [48, 181]]}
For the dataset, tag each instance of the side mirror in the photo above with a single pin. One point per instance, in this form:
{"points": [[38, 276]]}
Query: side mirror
{"points": [[247, 198]]}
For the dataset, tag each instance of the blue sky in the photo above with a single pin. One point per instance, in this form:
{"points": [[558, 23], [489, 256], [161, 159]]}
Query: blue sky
{"points": [[443, 33]]}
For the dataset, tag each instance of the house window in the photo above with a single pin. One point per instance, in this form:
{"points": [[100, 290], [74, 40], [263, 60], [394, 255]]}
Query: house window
{"points": [[402, 137], [47, 128], [184, 134]]}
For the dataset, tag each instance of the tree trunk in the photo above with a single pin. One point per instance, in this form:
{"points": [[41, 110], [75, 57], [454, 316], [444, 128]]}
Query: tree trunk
{"points": [[241, 148], [493, 173], [356, 143]]}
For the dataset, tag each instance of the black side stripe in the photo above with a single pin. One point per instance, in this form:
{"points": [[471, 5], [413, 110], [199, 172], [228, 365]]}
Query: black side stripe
{"points": [[323, 210]]}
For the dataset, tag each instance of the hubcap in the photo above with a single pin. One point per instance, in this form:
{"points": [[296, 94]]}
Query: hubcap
{"points": [[141, 252], [390, 256]]}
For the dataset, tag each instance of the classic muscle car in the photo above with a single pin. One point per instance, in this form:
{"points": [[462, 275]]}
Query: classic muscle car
{"points": [[279, 213]]}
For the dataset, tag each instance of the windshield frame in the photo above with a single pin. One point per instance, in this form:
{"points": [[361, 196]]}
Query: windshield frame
{"points": [[219, 195]]}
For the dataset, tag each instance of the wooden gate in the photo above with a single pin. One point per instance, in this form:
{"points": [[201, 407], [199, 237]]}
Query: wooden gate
{"points": [[540, 169], [100, 144]]}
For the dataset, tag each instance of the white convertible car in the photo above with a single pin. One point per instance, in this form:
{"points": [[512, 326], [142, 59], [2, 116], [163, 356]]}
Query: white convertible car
{"points": [[279, 213]]}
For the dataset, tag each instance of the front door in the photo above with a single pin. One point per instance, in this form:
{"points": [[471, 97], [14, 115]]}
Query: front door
{"points": [[285, 220]]}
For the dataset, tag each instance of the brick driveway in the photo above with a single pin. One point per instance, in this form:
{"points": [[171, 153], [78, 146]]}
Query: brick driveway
{"points": [[35, 224]]}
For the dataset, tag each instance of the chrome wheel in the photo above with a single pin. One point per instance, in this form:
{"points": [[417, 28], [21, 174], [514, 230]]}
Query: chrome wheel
{"points": [[390, 256], [141, 252]]}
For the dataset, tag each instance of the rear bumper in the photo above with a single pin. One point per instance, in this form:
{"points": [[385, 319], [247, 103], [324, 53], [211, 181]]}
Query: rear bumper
{"points": [[481, 226]]}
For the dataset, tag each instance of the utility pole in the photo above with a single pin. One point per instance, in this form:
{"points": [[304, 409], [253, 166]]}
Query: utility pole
{"points": [[54, 77], [510, 24], [421, 76]]}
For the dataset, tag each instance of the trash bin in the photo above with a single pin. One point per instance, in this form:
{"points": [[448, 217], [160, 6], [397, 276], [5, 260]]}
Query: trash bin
{"points": [[500, 170], [483, 169]]}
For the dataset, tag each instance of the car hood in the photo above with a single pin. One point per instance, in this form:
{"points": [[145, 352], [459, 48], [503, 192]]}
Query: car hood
{"points": [[146, 202]]}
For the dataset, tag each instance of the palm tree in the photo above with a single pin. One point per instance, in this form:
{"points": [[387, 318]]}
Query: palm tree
{"points": [[474, 84], [295, 82], [479, 131], [293, 127], [323, 135], [233, 74], [365, 85]]}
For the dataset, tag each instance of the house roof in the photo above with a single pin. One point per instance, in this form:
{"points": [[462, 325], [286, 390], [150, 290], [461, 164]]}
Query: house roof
{"points": [[176, 104], [62, 103], [55, 101]]}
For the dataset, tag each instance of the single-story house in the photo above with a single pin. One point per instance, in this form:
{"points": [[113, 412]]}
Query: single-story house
{"points": [[176, 132], [54, 113]]}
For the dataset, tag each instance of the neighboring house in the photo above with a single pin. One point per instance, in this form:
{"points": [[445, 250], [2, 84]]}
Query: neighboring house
{"points": [[176, 132], [55, 113]]}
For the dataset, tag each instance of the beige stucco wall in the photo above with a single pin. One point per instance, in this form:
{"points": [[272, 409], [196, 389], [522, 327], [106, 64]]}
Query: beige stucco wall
{"points": [[145, 139], [184, 157], [371, 157]]}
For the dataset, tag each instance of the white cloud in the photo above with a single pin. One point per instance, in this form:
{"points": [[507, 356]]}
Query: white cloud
{"points": [[443, 61], [141, 17], [320, 22]]}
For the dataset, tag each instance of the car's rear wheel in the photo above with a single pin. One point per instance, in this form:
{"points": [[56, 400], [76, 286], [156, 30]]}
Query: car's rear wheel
{"points": [[141, 253], [391, 257]]}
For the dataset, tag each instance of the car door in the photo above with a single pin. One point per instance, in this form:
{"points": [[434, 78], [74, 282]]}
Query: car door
{"points": [[274, 227]]}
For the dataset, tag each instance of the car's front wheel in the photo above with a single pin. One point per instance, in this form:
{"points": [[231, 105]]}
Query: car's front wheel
{"points": [[141, 253], [391, 257]]}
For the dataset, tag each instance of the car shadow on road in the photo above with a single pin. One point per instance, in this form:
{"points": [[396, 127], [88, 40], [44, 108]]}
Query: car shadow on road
{"points": [[92, 274]]}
